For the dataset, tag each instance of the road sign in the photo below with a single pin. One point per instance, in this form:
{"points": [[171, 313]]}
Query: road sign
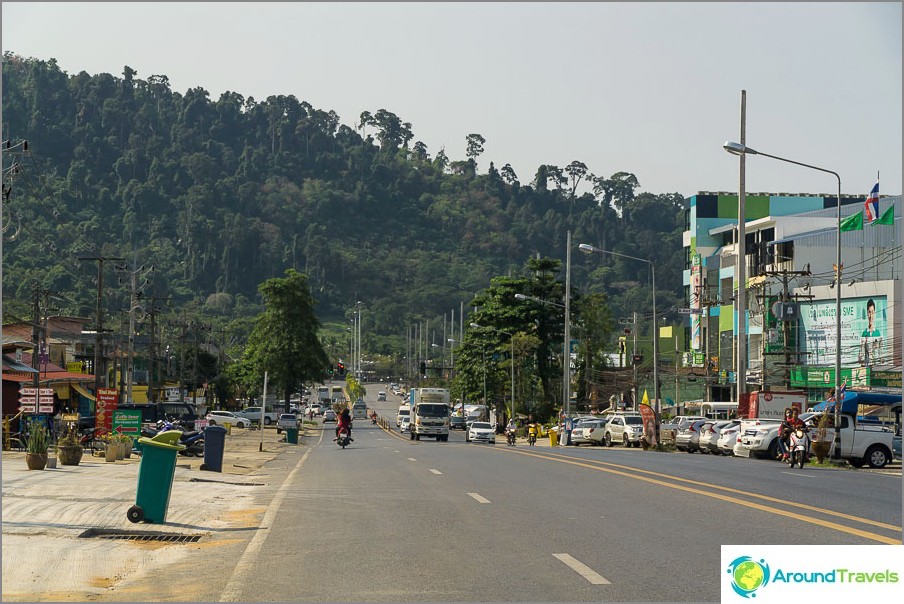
{"points": [[45, 408], [45, 391], [27, 400], [28, 391], [27, 408]]}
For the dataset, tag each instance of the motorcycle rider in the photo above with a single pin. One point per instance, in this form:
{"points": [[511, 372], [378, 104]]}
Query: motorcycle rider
{"points": [[797, 423], [532, 433], [344, 421], [510, 431], [784, 432]]}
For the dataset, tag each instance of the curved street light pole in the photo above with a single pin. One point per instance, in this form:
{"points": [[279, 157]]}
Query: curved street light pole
{"points": [[742, 150]]}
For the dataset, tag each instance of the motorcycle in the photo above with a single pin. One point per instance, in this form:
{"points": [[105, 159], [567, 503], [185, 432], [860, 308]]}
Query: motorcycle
{"points": [[510, 437], [192, 439], [373, 419], [532, 439], [800, 447], [343, 438]]}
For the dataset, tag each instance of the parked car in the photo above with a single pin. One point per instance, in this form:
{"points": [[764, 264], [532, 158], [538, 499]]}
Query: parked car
{"points": [[405, 424], [330, 416], [728, 438], [710, 432], [457, 422], [626, 428], [688, 438], [580, 434], [286, 420], [218, 418], [597, 434], [254, 414], [759, 438], [481, 432]]}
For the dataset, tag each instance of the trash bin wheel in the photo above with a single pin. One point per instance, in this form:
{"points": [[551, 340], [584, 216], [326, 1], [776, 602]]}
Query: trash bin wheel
{"points": [[135, 514]]}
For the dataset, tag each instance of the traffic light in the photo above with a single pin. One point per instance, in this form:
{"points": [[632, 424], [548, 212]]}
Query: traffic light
{"points": [[341, 367]]}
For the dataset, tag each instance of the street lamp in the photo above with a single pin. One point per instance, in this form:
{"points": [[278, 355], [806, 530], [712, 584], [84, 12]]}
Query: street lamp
{"points": [[512, 338], [742, 150], [587, 249]]}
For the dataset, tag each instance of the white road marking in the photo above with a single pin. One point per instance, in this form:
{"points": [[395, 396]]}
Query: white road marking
{"points": [[479, 498], [435, 471], [411, 459], [799, 474], [582, 569]]}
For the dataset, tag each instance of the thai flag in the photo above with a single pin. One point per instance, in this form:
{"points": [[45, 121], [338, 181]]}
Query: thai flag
{"points": [[872, 203]]}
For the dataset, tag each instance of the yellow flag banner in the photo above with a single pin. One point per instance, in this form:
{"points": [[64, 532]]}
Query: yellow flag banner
{"points": [[646, 399]]}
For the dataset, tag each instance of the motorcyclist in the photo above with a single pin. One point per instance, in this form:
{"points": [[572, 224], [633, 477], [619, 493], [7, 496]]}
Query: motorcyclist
{"points": [[784, 432], [344, 421], [532, 433], [510, 430]]}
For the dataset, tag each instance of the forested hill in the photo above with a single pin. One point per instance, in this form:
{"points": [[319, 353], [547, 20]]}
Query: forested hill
{"points": [[221, 194]]}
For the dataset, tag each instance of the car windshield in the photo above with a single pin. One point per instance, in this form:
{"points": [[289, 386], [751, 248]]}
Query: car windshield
{"points": [[403, 412], [634, 420], [483, 425], [433, 410]]}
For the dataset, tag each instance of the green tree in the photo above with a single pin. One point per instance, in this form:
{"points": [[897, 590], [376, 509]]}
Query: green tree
{"points": [[284, 341]]}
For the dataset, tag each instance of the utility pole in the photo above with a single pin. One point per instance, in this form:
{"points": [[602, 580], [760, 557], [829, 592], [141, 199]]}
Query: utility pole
{"points": [[634, 363], [786, 315], [99, 358]]}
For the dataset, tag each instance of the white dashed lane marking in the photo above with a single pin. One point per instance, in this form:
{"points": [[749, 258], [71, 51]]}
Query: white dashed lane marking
{"points": [[435, 471], [479, 498], [582, 569]]}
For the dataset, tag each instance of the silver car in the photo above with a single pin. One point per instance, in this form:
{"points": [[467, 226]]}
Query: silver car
{"points": [[582, 432], [626, 428]]}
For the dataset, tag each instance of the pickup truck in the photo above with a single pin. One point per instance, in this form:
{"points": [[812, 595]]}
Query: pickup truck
{"points": [[254, 414], [860, 444]]}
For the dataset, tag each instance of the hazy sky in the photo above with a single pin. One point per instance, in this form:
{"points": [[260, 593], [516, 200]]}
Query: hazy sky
{"points": [[653, 89]]}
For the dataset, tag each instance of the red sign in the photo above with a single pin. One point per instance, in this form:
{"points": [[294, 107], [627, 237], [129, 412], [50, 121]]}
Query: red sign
{"points": [[649, 423], [107, 401]]}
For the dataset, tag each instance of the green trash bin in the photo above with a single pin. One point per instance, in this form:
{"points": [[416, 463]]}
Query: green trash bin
{"points": [[292, 435], [155, 476]]}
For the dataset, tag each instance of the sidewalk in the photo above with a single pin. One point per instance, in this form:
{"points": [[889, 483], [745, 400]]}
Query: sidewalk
{"points": [[49, 552]]}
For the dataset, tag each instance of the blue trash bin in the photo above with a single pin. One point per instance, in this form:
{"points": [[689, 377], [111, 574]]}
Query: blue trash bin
{"points": [[214, 445]]}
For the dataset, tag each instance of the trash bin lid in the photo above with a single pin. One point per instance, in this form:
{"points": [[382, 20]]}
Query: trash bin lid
{"points": [[168, 439]]}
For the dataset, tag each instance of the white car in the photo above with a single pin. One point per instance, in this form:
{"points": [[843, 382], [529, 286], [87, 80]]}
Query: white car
{"points": [[405, 424], [481, 432], [218, 418], [728, 439]]}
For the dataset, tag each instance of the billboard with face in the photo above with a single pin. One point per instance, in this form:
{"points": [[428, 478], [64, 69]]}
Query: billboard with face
{"points": [[864, 332]]}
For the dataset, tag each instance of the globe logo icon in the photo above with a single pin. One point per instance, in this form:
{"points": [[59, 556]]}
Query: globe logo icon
{"points": [[748, 575]]}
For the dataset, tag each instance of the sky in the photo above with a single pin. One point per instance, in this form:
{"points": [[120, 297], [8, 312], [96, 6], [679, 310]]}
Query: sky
{"points": [[653, 89]]}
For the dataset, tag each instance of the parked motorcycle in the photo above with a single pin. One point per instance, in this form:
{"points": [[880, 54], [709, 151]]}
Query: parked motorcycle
{"points": [[343, 439], [800, 447], [192, 439]]}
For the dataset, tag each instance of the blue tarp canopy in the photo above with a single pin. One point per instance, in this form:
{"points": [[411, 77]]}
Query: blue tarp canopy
{"points": [[852, 400]]}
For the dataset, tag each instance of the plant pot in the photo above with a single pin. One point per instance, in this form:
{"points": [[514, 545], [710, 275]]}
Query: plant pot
{"points": [[36, 461], [110, 452], [127, 449], [821, 449], [69, 455]]}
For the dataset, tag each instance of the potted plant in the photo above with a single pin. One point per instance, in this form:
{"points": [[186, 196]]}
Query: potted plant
{"points": [[69, 451], [111, 446], [36, 446], [821, 442]]}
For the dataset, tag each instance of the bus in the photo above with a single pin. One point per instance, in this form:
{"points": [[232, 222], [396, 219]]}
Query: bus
{"points": [[338, 394]]}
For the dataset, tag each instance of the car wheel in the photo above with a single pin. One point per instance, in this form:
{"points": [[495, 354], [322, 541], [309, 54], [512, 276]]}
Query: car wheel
{"points": [[774, 450], [608, 439], [876, 457], [625, 441], [637, 445], [266, 421]]}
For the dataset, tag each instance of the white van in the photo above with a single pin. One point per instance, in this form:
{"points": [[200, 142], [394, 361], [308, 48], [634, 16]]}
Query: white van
{"points": [[404, 411], [359, 409], [381, 395]]}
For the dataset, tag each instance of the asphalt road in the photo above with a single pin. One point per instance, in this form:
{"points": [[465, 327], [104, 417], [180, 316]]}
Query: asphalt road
{"points": [[389, 519]]}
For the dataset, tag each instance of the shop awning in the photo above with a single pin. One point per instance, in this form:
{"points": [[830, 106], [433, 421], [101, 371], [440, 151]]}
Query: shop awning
{"points": [[83, 392]]}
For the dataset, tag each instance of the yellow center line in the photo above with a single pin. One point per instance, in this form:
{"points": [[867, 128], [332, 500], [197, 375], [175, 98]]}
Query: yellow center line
{"points": [[633, 473]]}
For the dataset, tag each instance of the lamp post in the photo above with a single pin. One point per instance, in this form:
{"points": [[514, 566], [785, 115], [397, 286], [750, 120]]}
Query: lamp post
{"points": [[743, 150], [512, 338], [587, 249]]}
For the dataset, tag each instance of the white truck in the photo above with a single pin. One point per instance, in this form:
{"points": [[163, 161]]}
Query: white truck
{"points": [[860, 444], [771, 404], [430, 411]]}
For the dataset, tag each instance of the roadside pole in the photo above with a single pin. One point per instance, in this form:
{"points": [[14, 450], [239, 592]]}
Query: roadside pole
{"points": [[263, 411]]}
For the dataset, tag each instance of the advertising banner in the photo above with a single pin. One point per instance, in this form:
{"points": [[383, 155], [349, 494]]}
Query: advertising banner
{"points": [[107, 401], [864, 331]]}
